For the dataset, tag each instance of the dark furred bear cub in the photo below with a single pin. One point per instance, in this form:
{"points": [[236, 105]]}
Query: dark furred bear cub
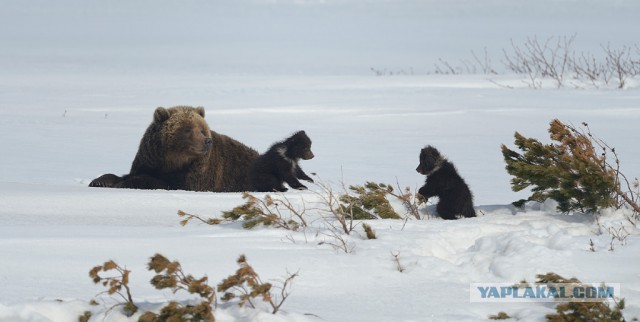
{"points": [[444, 182], [280, 164]]}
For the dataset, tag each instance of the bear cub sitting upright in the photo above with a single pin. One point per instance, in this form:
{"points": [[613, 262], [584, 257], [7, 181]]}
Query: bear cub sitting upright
{"points": [[280, 164], [443, 181]]}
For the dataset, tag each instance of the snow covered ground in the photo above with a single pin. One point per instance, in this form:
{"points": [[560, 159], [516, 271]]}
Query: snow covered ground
{"points": [[80, 81]]}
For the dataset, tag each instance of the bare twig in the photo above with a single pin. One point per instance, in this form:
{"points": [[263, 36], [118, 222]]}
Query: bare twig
{"points": [[629, 197], [333, 208], [284, 292], [246, 285], [620, 234], [447, 70], [338, 241], [548, 59], [396, 258], [485, 63]]}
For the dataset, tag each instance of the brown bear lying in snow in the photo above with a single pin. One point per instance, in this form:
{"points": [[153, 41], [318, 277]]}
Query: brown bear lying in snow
{"points": [[179, 151]]}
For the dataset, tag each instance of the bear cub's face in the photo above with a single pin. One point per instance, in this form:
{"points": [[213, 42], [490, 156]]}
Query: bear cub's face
{"points": [[299, 146], [429, 157]]}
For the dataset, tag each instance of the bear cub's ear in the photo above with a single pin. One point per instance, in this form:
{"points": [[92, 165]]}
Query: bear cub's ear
{"points": [[431, 153], [300, 136], [200, 110], [160, 115]]}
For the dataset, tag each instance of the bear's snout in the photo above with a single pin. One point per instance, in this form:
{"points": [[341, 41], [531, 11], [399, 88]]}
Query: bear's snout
{"points": [[208, 143], [419, 169], [308, 155]]}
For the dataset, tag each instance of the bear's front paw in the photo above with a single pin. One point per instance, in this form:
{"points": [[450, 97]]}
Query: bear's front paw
{"points": [[97, 183], [105, 181], [301, 187], [421, 198]]}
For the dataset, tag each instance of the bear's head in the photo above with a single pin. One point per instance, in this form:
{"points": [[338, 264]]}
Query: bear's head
{"points": [[430, 160], [184, 134], [299, 146]]}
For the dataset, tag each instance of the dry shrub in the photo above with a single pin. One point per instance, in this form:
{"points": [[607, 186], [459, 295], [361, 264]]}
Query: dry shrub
{"points": [[371, 234], [579, 171], [170, 275], [246, 285], [597, 311], [269, 211], [117, 284]]}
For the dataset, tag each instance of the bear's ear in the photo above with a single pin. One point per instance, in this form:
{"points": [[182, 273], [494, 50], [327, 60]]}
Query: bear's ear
{"points": [[431, 149], [161, 114], [300, 135], [200, 110], [431, 152]]}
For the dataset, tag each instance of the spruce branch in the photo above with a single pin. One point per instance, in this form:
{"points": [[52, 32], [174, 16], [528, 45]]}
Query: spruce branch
{"points": [[579, 171], [117, 284], [246, 285]]}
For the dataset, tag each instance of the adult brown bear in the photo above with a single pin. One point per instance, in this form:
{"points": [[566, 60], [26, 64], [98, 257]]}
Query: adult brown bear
{"points": [[179, 151]]}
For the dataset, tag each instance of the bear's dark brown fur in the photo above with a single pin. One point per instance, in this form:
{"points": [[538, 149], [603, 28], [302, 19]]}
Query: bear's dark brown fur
{"points": [[444, 182], [280, 164], [179, 151]]}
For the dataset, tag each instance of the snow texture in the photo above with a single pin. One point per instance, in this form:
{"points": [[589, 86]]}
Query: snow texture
{"points": [[80, 81]]}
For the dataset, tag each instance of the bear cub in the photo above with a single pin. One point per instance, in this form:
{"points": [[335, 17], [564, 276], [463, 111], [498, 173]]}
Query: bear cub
{"points": [[280, 164], [443, 181]]}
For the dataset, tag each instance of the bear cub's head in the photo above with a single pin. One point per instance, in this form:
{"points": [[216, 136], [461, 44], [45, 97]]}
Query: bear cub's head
{"points": [[183, 131], [298, 146], [430, 160]]}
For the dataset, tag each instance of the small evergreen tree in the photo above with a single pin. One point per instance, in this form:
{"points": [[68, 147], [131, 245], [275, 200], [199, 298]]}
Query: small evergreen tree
{"points": [[597, 311], [246, 285], [370, 201], [573, 171], [169, 275], [269, 211], [118, 284], [500, 316]]}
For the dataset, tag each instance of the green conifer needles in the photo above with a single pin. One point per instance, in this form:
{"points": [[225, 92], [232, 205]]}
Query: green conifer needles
{"points": [[573, 170]]}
